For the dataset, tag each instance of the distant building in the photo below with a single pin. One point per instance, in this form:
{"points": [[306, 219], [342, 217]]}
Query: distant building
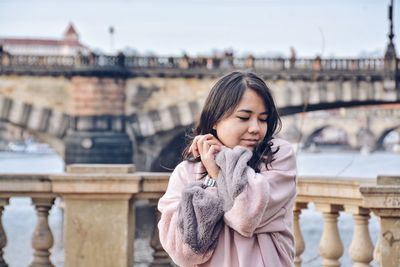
{"points": [[69, 45]]}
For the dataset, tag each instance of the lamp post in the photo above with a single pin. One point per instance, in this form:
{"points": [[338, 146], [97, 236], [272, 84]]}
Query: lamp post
{"points": [[390, 54], [111, 31], [392, 80]]}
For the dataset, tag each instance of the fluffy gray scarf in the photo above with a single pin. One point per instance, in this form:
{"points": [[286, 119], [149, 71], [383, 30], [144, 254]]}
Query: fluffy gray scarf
{"points": [[201, 210]]}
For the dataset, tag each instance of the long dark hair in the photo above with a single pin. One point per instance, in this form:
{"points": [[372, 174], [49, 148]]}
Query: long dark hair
{"points": [[221, 102]]}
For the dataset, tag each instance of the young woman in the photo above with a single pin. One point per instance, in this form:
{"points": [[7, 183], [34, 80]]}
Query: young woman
{"points": [[229, 203]]}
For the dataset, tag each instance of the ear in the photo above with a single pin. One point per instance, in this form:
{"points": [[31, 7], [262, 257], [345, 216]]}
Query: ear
{"points": [[214, 130]]}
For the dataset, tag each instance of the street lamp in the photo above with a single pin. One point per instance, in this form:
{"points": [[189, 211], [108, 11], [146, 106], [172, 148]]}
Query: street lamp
{"points": [[390, 54], [111, 31], [392, 79]]}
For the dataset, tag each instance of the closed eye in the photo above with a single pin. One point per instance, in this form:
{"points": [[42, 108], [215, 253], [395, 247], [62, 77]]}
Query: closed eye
{"points": [[242, 118]]}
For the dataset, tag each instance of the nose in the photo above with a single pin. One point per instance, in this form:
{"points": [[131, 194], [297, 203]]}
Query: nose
{"points": [[254, 127]]}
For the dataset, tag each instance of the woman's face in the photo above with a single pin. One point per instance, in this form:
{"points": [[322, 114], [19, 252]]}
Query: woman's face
{"points": [[247, 125]]}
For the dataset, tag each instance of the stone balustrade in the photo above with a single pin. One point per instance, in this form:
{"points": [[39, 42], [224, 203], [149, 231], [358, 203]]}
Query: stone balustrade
{"points": [[39, 188], [99, 215], [212, 63], [330, 197]]}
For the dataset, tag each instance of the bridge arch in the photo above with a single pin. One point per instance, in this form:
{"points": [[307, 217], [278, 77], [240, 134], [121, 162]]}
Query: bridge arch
{"points": [[317, 136], [90, 100], [380, 143], [171, 154], [11, 131]]}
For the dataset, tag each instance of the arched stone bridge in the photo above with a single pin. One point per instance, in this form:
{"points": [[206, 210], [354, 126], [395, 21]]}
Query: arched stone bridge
{"points": [[361, 127], [92, 109]]}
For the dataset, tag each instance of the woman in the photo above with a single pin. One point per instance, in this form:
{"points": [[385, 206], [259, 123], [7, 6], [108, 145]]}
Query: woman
{"points": [[229, 203]]}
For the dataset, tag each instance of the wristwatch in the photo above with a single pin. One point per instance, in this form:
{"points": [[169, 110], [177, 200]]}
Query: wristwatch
{"points": [[209, 182]]}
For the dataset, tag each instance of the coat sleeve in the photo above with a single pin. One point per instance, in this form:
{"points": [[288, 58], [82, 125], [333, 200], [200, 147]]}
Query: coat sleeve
{"points": [[264, 198], [191, 219]]}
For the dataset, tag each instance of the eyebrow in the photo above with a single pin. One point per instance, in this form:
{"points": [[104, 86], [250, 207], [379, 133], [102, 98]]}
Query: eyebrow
{"points": [[249, 111]]}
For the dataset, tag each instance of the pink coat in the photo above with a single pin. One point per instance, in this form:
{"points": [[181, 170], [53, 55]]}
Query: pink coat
{"points": [[257, 226]]}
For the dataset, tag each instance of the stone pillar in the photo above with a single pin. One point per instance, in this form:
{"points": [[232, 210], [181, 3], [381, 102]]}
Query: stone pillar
{"points": [[298, 236], [361, 248], [153, 187], [97, 132], [160, 256], [384, 200], [3, 237], [42, 239], [330, 246], [99, 214]]}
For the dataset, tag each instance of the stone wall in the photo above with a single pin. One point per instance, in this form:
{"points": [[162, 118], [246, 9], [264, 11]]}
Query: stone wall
{"points": [[92, 96], [155, 110], [85, 96], [43, 92]]}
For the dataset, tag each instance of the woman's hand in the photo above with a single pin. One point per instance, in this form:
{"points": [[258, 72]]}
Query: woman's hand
{"points": [[206, 147]]}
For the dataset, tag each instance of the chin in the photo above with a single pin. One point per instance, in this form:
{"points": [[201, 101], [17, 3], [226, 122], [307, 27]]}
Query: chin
{"points": [[248, 147]]}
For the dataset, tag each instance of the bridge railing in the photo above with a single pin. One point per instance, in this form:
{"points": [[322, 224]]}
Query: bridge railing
{"points": [[200, 63], [331, 197], [38, 188], [100, 215], [40, 61]]}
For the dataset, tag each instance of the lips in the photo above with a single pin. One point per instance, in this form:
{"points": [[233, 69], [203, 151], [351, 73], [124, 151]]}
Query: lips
{"points": [[250, 142]]}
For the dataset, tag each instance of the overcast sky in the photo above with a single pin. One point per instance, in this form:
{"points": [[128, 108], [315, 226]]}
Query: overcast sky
{"points": [[342, 28]]}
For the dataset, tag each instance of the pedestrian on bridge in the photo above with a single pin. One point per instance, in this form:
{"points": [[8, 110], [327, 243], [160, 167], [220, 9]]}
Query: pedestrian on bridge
{"points": [[229, 203]]}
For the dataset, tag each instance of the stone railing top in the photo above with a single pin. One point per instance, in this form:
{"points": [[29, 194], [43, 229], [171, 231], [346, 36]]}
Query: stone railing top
{"points": [[24, 184], [153, 184], [338, 190], [106, 185], [388, 180], [384, 196], [331, 190], [101, 168], [369, 193]]}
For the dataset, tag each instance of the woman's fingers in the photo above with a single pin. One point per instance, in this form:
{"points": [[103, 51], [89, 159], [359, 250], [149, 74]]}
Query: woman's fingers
{"points": [[209, 161], [196, 146], [207, 146], [214, 149], [210, 149], [212, 142], [201, 144], [193, 147]]}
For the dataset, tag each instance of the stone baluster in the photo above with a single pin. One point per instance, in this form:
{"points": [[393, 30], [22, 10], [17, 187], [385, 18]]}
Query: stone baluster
{"points": [[361, 248], [160, 257], [298, 236], [384, 201], [330, 246], [42, 239], [3, 237]]}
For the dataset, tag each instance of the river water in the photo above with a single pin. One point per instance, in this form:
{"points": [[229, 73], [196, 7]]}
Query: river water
{"points": [[19, 216]]}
